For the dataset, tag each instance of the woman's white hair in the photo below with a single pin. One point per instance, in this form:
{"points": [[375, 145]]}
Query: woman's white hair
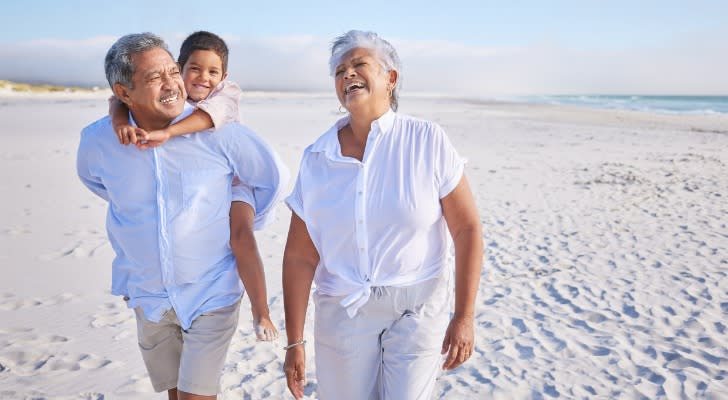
{"points": [[381, 49]]}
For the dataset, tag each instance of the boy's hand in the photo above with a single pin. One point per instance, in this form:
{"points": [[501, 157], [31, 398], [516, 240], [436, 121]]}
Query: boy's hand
{"points": [[128, 134], [153, 139], [265, 330]]}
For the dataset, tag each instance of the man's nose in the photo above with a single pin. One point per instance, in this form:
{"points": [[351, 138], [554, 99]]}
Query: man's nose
{"points": [[167, 79]]}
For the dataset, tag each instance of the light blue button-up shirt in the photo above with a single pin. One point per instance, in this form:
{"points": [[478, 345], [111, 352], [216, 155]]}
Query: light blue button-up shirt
{"points": [[168, 217]]}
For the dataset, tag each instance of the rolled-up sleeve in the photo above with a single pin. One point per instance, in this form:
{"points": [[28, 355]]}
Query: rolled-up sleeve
{"points": [[294, 201], [222, 104], [259, 175], [450, 166], [84, 168]]}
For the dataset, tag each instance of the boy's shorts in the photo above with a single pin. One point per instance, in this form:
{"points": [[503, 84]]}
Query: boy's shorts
{"points": [[191, 360]]}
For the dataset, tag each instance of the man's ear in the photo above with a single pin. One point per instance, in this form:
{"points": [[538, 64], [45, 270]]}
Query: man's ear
{"points": [[122, 93]]}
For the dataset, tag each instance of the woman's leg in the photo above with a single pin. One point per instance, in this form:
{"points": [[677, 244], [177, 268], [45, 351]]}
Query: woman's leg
{"points": [[411, 359]]}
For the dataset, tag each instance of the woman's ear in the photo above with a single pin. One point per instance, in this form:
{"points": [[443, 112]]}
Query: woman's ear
{"points": [[122, 93], [393, 76]]}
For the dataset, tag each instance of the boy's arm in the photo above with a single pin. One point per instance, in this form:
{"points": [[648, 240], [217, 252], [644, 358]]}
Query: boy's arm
{"points": [[250, 268], [119, 114], [222, 104], [198, 120], [219, 108]]}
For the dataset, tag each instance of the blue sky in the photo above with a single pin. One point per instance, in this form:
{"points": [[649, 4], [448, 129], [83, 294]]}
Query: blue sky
{"points": [[482, 47]]}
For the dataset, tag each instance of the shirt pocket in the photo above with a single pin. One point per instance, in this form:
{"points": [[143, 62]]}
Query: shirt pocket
{"points": [[202, 189]]}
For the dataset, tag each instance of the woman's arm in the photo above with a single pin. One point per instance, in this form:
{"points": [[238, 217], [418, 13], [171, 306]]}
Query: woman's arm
{"points": [[250, 268], [300, 259], [461, 215]]}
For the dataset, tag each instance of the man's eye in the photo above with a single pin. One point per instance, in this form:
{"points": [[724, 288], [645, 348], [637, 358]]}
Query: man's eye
{"points": [[154, 78]]}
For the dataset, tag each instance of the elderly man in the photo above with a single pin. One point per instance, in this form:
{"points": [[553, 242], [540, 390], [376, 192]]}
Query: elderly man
{"points": [[168, 218]]}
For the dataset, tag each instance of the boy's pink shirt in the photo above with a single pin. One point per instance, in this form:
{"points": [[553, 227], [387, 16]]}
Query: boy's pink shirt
{"points": [[222, 103]]}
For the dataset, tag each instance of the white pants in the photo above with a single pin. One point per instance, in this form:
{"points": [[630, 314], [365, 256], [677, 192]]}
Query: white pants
{"points": [[390, 350]]}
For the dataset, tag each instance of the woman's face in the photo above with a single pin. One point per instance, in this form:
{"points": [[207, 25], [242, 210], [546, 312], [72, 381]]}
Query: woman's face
{"points": [[362, 83]]}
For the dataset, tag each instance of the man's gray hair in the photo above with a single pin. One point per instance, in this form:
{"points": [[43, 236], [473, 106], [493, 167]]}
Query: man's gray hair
{"points": [[381, 49], [118, 65]]}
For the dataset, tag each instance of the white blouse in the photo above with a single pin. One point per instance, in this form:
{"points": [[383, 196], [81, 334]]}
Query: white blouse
{"points": [[377, 222]]}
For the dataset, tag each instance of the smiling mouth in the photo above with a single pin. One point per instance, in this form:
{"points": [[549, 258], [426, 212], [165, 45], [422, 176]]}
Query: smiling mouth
{"points": [[170, 98], [199, 86], [353, 86]]}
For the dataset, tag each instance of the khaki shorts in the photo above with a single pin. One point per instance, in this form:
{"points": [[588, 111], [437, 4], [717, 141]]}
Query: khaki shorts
{"points": [[191, 360]]}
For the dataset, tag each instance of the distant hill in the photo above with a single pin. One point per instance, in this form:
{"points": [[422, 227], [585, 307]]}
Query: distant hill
{"points": [[10, 86]]}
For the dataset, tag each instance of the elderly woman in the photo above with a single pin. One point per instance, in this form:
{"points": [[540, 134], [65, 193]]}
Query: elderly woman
{"points": [[375, 198]]}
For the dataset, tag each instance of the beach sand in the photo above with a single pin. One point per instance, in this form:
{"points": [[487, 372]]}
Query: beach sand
{"points": [[604, 274]]}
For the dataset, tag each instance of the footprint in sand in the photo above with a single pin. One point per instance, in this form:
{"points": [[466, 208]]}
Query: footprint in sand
{"points": [[114, 315], [11, 302], [85, 244], [24, 352]]}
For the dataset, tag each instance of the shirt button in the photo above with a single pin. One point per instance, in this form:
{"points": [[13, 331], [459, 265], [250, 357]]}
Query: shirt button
{"points": [[361, 221], [359, 193]]}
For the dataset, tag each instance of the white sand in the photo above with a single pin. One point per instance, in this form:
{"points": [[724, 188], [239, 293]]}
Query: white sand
{"points": [[605, 267]]}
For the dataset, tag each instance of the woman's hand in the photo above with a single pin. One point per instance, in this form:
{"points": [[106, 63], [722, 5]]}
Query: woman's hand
{"points": [[295, 370], [458, 343]]}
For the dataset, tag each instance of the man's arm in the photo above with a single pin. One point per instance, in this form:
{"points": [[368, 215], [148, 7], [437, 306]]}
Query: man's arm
{"points": [[250, 268], [83, 169]]}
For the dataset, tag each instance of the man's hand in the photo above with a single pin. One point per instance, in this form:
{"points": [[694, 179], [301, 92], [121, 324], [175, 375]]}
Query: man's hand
{"points": [[265, 330], [458, 343]]}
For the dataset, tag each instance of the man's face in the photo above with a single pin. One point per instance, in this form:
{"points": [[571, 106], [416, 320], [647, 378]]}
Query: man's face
{"points": [[159, 94]]}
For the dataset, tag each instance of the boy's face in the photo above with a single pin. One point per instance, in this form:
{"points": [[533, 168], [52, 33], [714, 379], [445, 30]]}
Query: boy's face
{"points": [[202, 72]]}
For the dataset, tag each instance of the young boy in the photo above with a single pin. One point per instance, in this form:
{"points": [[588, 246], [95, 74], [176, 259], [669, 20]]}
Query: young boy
{"points": [[203, 60]]}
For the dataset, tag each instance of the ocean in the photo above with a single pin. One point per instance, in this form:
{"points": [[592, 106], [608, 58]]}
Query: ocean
{"points": [[660, 104]]}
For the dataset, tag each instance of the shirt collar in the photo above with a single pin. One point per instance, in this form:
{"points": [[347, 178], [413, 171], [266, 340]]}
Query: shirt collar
{"points": [[328, 143]]}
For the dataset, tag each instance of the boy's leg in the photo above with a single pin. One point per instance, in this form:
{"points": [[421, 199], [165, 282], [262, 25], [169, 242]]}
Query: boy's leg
{"points": [[203, 354], [161, 346]]}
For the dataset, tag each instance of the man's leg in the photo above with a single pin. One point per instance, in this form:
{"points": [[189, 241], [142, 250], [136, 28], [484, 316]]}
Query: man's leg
{"points": [[203, 353], [161, 346]]}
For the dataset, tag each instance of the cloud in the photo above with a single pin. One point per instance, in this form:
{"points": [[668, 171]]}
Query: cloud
{"points": [[690, 66]]}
